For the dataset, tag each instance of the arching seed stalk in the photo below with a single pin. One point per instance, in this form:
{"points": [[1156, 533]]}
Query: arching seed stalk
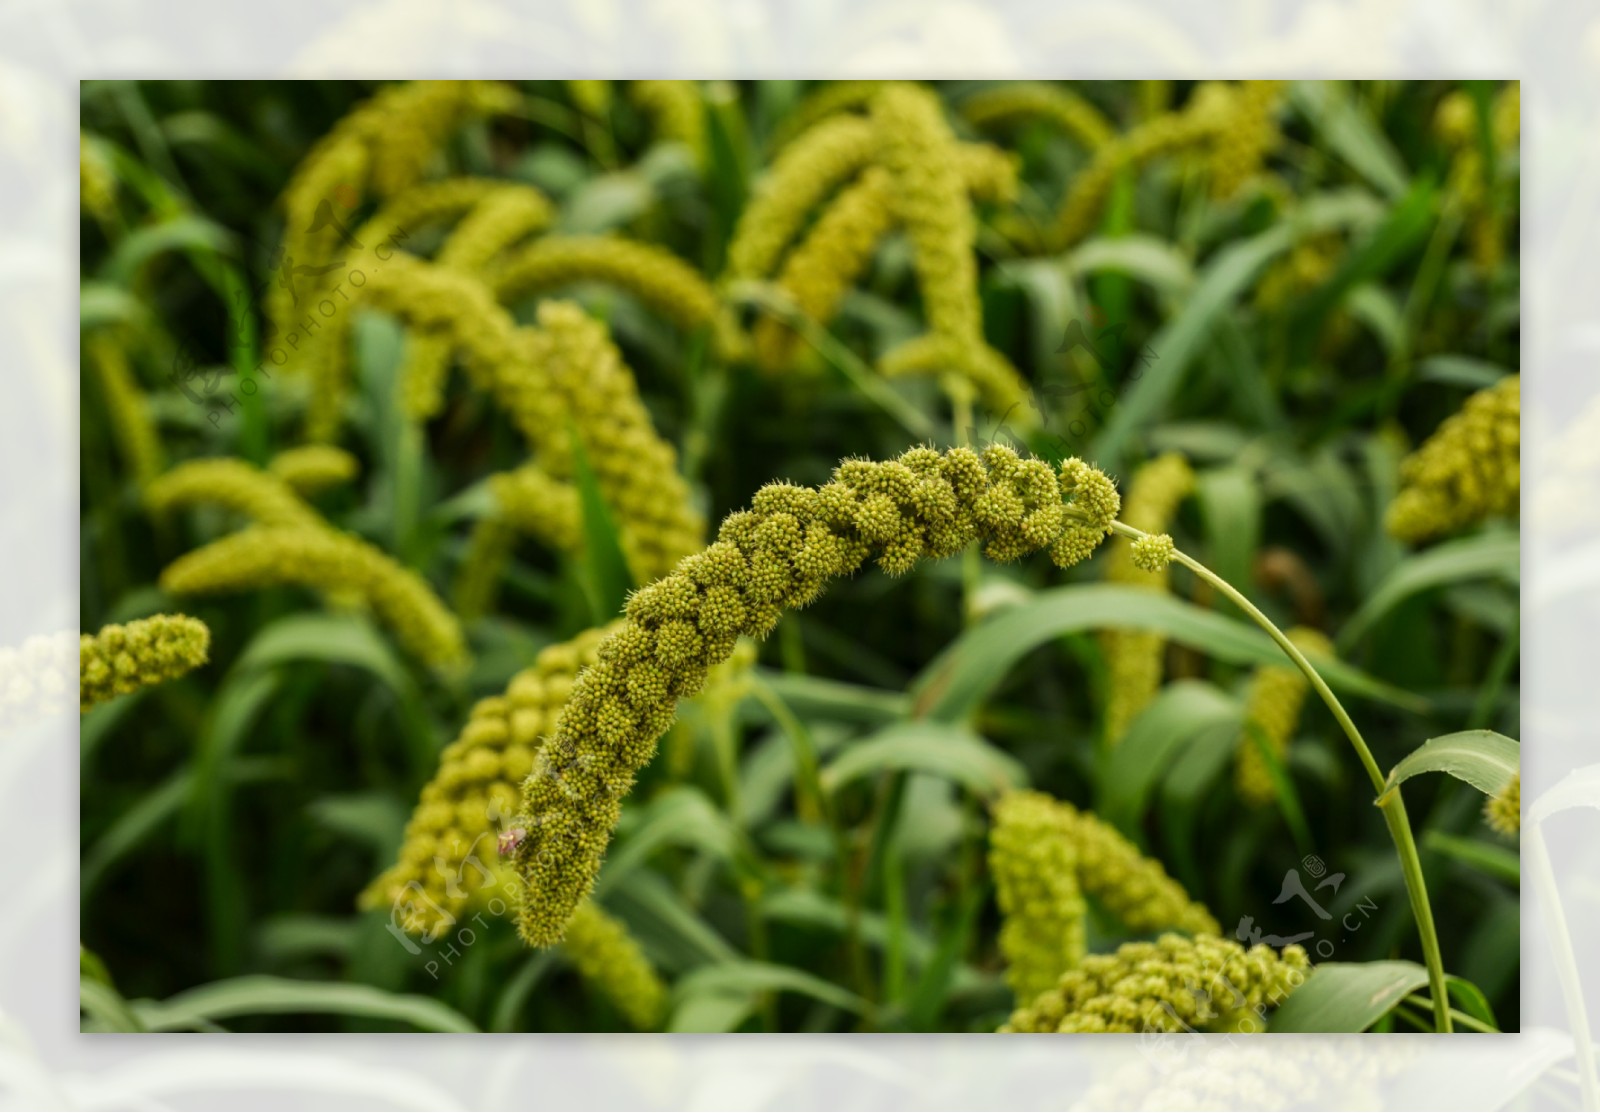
{"points": [[1394, 809]]}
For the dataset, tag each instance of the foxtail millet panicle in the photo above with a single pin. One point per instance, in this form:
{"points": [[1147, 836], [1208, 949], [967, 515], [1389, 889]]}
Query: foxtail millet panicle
{"points": [[1503, 811], [1133, 888], [1174, 984], [1468, 470], [127, 408], [1042, 910], [324, 558], [1038, 100], [778, 555], [310, 468], [263, 497], [122, 658], [612, 962]]}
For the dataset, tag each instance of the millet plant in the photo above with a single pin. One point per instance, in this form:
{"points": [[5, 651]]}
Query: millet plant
{"points": [[871, 572]]}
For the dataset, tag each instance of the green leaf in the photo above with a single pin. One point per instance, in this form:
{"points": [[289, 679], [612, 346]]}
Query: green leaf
{"points": [[100, 303], [153, 810], [970, 668], [1183, 790], [1146, 258], [91, 967], [327, 639], [294, 937], [1404, 229], [1495, 553], [1184, 712], [519, 987], [663, 921], [1461, 371], [1482, 758], [815, 912], [1347, 996], [939, 748], [1283, 790], [1470, 998], [104, 1009], [1230, 502], [680, 816], [772, 299], [815, 697], [234, 710], [1183, 338], [373, 818], [101, 721], [1379, 310], [182, 233], [1049, 292], [713, 1012], [606, 202], [208, 821], [1351, 133], [605, 570], [804, 755], [1324, 491], [260, 994], [728, 174], [1490, 858], [751, 978]]}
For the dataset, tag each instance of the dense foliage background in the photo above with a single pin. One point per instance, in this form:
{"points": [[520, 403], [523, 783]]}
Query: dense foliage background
{"points": [[230, 818]]}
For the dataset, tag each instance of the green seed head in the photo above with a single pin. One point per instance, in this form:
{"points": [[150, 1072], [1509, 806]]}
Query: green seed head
{"points": [[777, 556], [1503, 811], [1153, 552], [1035, 870], [1174, 984], [1470, 469], [124, 658], [611, 961]]}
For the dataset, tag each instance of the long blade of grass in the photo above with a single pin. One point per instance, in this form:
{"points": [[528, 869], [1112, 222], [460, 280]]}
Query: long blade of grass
{"points": [[263, 995], [1497, 553], [1485, 760], [928, 746], [1184, 712], [1347, 996], [972, 666], [1175, 347]]}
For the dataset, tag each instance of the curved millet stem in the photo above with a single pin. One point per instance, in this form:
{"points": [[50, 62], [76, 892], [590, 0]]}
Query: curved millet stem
{"points": [[1393, 807]]}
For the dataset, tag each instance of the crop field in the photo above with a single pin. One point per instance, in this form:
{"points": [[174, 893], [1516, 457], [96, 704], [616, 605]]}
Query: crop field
{"points": [[869, 556]]}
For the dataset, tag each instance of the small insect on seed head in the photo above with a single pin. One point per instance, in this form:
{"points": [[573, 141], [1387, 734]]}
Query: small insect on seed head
{"points": [[510, 839]]}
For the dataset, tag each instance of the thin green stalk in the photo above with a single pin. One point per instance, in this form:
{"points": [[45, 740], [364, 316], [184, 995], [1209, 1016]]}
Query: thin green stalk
{"points": [[1464, 1019], [894, 903], [1494, 682], [726, 747], [760, 949], [838, 354], [1394, 809], [812, 797]]}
